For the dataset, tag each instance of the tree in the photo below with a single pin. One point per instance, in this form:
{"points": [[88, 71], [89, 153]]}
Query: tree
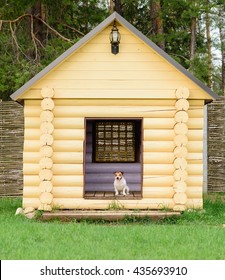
{"points": [[157, 22]]}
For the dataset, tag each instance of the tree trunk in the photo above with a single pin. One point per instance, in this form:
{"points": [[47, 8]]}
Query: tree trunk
{"points": [[38, 11], [157, 22], [117, 6], [208, 36], [193, 38], [111, 6]]}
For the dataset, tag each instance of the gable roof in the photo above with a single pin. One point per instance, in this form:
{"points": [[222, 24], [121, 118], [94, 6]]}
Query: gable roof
{"points": [[115, 16]]}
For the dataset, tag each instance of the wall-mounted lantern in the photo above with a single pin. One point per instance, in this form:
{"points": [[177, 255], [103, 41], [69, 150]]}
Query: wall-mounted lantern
{"points": [[114, 39]]}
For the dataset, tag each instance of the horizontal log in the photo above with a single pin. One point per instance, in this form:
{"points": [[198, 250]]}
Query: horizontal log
{"points": [[80, 203], [194, 192], [105, 101], [158, 192], [45, 175], [194, 180], [158, 146], [69, 180], [46, 140], [31, 157], [159, 134], [158, 181], [181, 128], [58, 145], [32, 134], [57, 181], [195, 123], [195, 135], [180, 198], [68, 134], [195, 169], [147, 203], [47, 104], [195, 146], [158, 123], [180, 152], [67, 169], [180, 175], [45, 116], [67, 157], [169, 135], [31, 180], [31, 192], [46, 128], [58, 134], [181, 116], [158, 158], [180, 140], [30, 202], [158, 169], [180, 163], [114, 111], [45, 163], [45, 186], [182, 104], [180, 186], [46, 151], [46, 198], [194, 157], [60, 123], [57, 157], [67, 192]]}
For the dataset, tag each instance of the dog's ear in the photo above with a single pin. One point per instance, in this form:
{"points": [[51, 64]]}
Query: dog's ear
{"points": [[122, 172], [114, 172]]}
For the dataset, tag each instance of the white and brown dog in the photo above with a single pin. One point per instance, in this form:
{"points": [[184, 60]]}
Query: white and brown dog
{"points": [[120, 184]]}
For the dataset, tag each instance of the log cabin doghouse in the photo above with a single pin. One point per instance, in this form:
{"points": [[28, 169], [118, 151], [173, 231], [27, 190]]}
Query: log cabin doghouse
{"points": [[113, 101]]}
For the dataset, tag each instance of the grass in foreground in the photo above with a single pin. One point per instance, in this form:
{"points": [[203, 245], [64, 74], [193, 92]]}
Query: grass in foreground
{"points": [[194, 235]]}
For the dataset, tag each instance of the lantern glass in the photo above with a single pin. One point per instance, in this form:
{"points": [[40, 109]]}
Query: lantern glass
{"points": [[114, 39]]}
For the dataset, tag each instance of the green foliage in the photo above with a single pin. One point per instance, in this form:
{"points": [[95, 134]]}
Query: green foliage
{"points": [[27, 44]]}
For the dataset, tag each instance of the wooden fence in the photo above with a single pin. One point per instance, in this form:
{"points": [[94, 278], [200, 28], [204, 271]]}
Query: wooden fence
{"points": [[11, 148], [216, 146]]}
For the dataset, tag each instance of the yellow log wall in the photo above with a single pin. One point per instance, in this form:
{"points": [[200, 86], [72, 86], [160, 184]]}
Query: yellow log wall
{"points": [[68, 148]]}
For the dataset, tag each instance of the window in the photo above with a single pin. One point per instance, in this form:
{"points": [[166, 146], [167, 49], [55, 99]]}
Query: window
{"points": [[115, 141]]}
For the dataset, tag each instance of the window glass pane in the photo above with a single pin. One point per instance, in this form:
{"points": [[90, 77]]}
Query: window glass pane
{"points": [[114, 141]]}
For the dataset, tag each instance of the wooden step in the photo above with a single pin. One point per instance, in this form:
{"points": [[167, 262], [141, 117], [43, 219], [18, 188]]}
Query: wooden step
{"points": [[108, 215]]}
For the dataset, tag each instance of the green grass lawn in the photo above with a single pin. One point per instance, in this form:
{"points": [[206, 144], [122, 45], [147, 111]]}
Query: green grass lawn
{"points": [[194, 235]]}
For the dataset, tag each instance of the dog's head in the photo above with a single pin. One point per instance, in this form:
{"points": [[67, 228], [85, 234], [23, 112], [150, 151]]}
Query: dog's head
{"points": [[118, 175]]}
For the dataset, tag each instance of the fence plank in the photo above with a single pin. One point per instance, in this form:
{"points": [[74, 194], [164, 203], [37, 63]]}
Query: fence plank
{"points": [[216, 146], [11, 149]]}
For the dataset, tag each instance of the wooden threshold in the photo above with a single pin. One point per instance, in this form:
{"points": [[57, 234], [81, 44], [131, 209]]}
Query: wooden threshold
{"points": [[111, 195], [108, 215]]}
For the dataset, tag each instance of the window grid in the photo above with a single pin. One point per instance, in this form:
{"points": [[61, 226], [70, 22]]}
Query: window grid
{"points": [[115, 141]]}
